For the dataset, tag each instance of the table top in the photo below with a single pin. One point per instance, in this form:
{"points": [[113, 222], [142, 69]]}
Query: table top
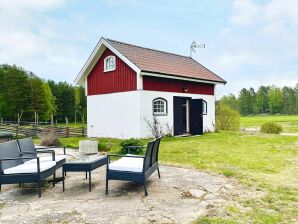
{"points": [[86, 159]]}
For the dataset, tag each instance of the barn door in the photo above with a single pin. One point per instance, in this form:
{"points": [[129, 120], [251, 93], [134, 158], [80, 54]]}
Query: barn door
{"points": [[196, 116], [180, 120]]}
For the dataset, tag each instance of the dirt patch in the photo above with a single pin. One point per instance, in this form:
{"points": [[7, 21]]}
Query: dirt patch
{"points": [[180, 196]]}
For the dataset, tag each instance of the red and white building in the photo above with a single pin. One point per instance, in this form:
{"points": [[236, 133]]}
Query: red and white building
{"points": [[126, 85]]}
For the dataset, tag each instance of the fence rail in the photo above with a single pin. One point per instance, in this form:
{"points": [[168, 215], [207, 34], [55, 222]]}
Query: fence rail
{"points": [[39, 130]]}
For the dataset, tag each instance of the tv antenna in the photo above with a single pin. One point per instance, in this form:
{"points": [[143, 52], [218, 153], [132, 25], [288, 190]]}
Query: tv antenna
{"points": [[194, 45]]}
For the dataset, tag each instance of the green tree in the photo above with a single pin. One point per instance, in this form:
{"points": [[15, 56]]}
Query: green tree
{"points": [[289, 100], [231, 101], [262, 100], [246, 101], [64, 99], [275, 100]]}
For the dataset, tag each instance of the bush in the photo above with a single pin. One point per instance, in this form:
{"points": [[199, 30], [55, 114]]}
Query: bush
{"points": [[50, 139], [226, 118], [131, 142], [271, 128], [105, 146]]}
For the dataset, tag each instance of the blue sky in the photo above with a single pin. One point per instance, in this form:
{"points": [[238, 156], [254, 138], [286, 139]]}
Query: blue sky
{"points": [[248, 43]]}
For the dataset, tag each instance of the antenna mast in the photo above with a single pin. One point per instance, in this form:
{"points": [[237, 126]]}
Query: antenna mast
{"points": [[195, 45]]}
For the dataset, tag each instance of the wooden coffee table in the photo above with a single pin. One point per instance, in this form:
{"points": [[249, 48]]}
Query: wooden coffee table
{"points": [[85, 163]]}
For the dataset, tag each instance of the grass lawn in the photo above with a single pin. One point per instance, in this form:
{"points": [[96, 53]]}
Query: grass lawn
{"points": [[288, 122], [266, 163]]}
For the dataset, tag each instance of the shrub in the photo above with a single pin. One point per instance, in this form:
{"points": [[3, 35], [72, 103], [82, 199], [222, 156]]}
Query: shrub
{"points": [[50, 139], [226, 118], [131, 142], [105, 146], [155, 127], [271, 128]]}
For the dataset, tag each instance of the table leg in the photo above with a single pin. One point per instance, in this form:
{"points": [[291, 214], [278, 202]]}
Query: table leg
{"points": [[89, 180], [86, 175], [63, 177]]}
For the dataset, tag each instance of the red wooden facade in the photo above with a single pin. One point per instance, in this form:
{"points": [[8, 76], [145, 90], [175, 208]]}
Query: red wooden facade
{"points": [[120, 80], [178, 86]]}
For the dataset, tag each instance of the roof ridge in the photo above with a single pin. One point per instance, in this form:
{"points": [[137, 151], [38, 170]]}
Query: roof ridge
{"points": [[147, 48]]}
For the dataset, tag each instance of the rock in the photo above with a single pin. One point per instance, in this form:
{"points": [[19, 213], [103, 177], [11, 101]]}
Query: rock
{"points": [[196, 193]]}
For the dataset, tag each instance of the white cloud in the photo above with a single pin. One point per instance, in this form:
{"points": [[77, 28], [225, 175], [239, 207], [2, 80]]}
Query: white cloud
{"points": [[245, 12]]}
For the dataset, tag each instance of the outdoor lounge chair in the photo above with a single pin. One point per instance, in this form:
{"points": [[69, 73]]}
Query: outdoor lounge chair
{"points": [[134, 168], [27, 146], [13, 170]]}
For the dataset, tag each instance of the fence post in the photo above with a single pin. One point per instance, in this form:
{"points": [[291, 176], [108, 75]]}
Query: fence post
{"points": [[83, 131], [17, 131], [67, 132], [2, 121]]}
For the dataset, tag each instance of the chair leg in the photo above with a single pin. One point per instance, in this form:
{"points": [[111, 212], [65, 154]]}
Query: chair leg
{"points": [[107, 186], [63, 178], [158, 172], [86, 175], [145, 189], [0, 187], [39, 189], [89, 180]]}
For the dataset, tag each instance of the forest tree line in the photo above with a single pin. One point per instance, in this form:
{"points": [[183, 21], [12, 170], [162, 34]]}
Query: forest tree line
{"points": [[266, 100], [23, 91]]}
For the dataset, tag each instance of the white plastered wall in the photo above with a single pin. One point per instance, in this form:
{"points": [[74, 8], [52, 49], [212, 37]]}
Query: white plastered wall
{"points": [[115, 115], [147, 110]]}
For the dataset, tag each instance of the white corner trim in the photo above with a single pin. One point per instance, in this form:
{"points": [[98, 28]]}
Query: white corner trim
{"points": [[179, 78], [95, 55]]}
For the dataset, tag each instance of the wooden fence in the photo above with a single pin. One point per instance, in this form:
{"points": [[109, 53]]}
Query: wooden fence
{"points": [[39, 130]]}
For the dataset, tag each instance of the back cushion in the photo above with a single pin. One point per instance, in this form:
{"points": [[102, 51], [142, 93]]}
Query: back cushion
{"points": [[27, 145], [9, 150], [147, 160]]}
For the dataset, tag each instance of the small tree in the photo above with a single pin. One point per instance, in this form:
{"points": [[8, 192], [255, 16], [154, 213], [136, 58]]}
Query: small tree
{"points": [[226, 118]]}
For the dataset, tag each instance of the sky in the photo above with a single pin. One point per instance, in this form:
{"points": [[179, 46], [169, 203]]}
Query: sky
{"points": [[248, 42]]}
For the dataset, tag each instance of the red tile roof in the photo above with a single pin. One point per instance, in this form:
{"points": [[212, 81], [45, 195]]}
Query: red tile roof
{"points": [[155, 61]]}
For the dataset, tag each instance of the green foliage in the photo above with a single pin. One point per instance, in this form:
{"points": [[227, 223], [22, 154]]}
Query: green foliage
{"points": [[275, 100], [226, 118], [21, 90], [231, 101], [105, 146], [50, 139], [267, 100], [131, 142], [271, 128]]}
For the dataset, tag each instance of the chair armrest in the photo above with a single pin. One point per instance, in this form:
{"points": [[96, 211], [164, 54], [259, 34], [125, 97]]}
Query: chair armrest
{"points": [[132, 156], [19, 158], [51, 147], [118, 155], [41, 151]]}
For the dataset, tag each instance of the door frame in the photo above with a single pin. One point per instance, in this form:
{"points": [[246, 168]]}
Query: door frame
{"points": [[187, 112]]}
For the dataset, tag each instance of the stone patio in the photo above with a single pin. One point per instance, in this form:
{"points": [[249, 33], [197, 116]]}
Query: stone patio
{"points": [[180, 196]]}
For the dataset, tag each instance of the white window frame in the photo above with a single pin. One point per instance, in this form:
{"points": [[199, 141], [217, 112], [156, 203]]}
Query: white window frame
{"points": [[165, 107], [105, 63]]}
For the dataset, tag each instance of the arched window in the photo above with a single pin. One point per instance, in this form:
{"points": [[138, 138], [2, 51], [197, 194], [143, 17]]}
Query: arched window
{"points": [[204, 107], [109, 64], [160, 107]]}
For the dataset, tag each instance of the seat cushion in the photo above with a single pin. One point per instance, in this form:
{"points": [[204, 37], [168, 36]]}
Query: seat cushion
{"points": [[58, 158], [131, 164], [29, 168]]}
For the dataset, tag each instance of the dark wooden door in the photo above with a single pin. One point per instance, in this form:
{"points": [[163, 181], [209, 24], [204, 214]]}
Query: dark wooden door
{"points": [[196, 116], [179, 115]]}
